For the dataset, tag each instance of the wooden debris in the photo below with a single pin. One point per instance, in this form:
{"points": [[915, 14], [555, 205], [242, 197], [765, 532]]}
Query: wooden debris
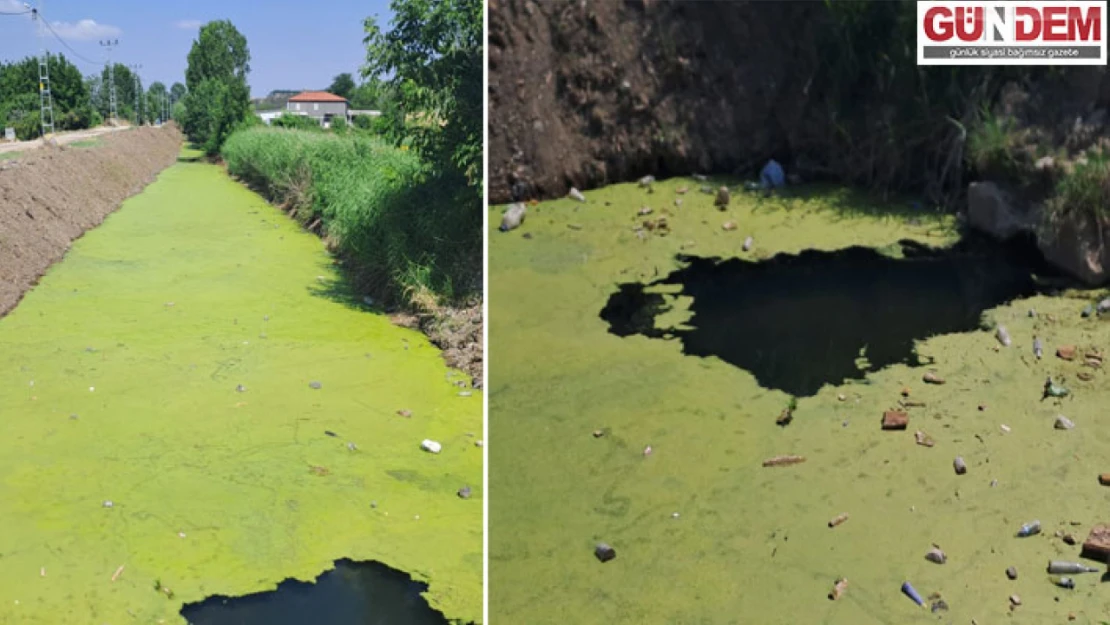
{"points": [[783, 461], [1097, 545], [894, 420], [923, 439]]}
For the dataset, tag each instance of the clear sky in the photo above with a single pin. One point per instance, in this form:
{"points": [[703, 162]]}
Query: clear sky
{"points": [[293, 45]]}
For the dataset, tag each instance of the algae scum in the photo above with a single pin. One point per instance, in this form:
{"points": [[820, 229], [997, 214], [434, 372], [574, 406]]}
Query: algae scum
{"points": [[608, 432], [193, 406]]}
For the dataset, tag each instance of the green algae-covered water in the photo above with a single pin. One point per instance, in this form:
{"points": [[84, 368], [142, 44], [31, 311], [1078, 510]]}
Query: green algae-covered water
{"points": [[703, 533], [119, 381]]}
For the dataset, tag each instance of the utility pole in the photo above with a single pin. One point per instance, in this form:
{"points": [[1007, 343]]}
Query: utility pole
{"points": [[138, 92], [108, 45], [46, 100]]}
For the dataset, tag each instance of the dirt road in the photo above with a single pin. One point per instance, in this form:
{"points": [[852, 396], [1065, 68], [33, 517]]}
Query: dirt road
{"points": [[62, 138]]}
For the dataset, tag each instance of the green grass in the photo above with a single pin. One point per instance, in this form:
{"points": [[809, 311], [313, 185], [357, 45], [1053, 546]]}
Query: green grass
{"points": [[1085, 189], [86, 143], [10, 155], [409, 236]]}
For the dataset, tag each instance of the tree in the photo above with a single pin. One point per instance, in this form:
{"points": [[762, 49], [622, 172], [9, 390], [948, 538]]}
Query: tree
{"points": [[19, 96], [155, 101], [125, 91], [177, 91], [433, 53], [217, 98], [343, 86]]}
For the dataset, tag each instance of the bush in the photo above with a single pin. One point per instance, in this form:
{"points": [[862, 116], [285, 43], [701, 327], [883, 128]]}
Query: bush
{"points": [[1084, 190], [378, 203], [298, 122], [339, 126], [363, 122]]}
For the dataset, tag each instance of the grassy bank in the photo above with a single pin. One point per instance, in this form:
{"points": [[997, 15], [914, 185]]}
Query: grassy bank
{"points": [[376, 204]]}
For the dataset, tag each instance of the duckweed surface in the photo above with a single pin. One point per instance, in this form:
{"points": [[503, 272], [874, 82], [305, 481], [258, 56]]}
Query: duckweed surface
{"points": [[703, 533], [164, 366]]}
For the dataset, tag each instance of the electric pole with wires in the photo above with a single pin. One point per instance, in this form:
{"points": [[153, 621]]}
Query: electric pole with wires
{"points": [[46, 99], [108, 46]]}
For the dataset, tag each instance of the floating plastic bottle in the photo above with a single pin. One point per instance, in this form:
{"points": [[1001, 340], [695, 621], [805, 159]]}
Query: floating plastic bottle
{"points": [[1030, 529], [1063, 582], [1060, 567], [909, 591]]}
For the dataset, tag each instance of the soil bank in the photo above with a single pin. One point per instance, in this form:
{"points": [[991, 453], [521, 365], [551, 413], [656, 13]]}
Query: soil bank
{"points": [[51, 196], [703, 533], [165, 366]]}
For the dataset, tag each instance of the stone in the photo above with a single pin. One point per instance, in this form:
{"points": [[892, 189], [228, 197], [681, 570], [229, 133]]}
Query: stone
{"points": [[931, 377], [1097, 545], [894, 420], [1077, 245], [604, 552], [996, 211], [1066, 352]]}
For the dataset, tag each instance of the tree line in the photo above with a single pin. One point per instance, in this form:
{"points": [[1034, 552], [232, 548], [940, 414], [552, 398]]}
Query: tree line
{"points": [[79, 101]]}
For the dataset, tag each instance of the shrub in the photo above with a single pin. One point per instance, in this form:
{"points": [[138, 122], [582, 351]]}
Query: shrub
{"points": [[299, 122], [379, 204], [339, 126], [1085, 190]]}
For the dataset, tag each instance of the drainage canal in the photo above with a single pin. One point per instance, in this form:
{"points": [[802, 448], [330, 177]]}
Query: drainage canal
{"points": [[353, 593], [797, 322]]}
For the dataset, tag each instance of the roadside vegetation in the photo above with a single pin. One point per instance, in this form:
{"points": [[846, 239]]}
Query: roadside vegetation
{"points": [[399, 199], [19, 97]]}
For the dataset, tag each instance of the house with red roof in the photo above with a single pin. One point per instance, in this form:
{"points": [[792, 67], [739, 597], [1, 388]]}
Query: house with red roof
{"points": [[319, 105]]}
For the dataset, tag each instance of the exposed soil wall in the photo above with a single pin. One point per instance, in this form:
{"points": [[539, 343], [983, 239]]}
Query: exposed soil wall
{"points": [[51, 196]]}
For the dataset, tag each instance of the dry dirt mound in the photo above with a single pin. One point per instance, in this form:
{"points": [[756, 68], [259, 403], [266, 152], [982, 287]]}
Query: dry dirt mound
{"points": [[53, 195]]}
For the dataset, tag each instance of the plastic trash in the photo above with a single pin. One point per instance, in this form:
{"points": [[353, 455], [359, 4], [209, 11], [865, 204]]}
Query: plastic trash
{"points": [[1030, 529], [912, 594], [772, 175], [431, 446], [1061, 567]]}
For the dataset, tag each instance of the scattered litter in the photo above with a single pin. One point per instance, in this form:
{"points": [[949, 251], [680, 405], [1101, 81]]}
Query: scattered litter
{"points": [[465, 394], [1003, 336], [910, 592], [315, 385], [330, 433], [940, 605], [838, 589], [783, 461], [644, 210], [838, 519], [118, 572], [772, 176], [1097, 545], [1063, 423], [1051, 389], [351, 446], [513, 217], [1038, 348], [241, 388], [1088, 311], [599, 433], [478, 443], [646, 181], [181, 534], [1029, 529], [42, 572], [722, 199], [405, 413], [894, 420], [931, 377], [674, 515], [108, 503], [959, 465], [604, 552], [576, 195], [1061, 567], [1103, 306], [1011, 572], [728, 226], [748, 244], [936, 555], [923, 439], [700, 177], [430, 445], [1104, 479], [464, 492], [92, 388], [1015, 600], [1005, 428], [1066, 352], [647, 450]]}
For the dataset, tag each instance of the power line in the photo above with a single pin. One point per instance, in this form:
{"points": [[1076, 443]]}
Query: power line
{"points": [[18, 13], [46, 22]]}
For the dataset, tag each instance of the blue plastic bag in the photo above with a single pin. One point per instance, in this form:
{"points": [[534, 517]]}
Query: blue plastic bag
{"points": [[772, 175]]}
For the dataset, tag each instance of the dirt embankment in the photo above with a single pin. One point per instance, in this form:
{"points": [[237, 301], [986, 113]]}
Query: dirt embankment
{"points": [[52, 195], [586, 94]]}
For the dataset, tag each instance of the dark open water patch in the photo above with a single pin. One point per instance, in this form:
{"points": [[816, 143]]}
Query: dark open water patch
{"points": [[797, 322], [353, 593]]}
